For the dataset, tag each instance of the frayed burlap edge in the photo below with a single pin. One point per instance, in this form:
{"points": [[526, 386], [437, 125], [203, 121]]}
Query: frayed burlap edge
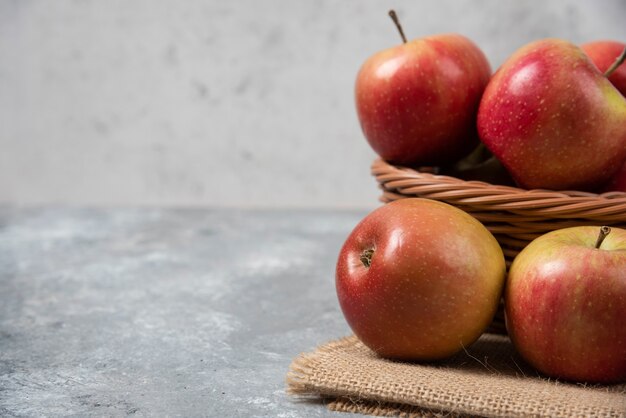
{"points": [[303, 381], [382, 409], [335, 372]]}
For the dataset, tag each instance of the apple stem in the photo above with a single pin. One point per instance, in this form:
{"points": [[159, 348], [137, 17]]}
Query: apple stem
{"points": [[604, 231], [619, 61], [394, 17], [366, 257]]}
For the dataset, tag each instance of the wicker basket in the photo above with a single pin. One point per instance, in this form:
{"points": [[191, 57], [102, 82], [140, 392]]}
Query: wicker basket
{"points": [[514, 216]]}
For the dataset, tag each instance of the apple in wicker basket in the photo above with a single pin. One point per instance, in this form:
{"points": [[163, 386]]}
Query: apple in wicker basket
{"points": [[417, 102], [617, 183], [553, 119], [604, 54], [565, 304], [419, 279]]}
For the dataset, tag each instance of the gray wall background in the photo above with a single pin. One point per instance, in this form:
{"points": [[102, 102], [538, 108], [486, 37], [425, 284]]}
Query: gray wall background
{"points": [[246, 103]]}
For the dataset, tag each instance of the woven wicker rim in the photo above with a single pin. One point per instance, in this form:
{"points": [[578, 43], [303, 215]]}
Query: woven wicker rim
{"points": [[515, 216], [508, 204]]}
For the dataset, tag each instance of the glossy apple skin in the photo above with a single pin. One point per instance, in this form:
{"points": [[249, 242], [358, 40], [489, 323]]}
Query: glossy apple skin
{"points": [[565, 305], [553, 120], [433, 285], [603, 54], [417, 102]]}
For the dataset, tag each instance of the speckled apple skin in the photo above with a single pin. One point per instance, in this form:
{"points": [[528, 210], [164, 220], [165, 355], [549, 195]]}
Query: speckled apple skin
{"points": [[603, 54], [565, 305], [433, 285], [417, 102], [553, 120]]}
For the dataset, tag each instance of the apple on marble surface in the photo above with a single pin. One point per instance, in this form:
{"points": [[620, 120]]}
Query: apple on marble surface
{"points": [[418, 279]]}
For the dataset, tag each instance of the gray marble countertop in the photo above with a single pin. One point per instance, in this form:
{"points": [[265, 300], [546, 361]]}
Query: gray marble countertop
{"points": [[149, 312]]}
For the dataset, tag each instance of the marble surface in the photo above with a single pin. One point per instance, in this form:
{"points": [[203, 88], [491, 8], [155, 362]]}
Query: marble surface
{"points": [[242, 103], [150, 312]]}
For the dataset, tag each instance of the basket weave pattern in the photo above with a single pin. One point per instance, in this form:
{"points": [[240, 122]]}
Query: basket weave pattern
{"points": [[514, 216]]}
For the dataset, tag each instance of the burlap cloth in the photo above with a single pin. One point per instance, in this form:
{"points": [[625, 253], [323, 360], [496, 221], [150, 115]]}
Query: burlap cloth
{"points": [[488, 379]]}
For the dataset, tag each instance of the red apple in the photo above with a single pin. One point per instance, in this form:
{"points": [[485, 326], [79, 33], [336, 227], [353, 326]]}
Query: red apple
{"points": [[417, 101], [553, 119], [617, 183], [565, 304], [419, 279], [603, 54]]}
